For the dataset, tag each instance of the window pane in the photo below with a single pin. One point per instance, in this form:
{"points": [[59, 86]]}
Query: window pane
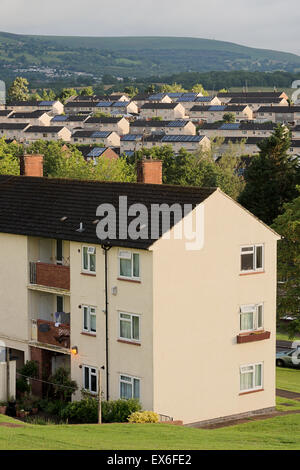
{"points": [[135, 328], [247, 262], [93, 263], [59, 254], [247, 381], [93, 383], [125, 267], [85, 318], [259, 260], [125, 329], [247, 321], [85, 258], [93, 323], [59, 303], [136, 265], [260, 317], [136, 388], [126, 390], [86, 378], [258, 375]]}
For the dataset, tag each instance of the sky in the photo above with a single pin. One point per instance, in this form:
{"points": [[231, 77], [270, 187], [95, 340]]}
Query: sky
{"points": [[268, 24]]}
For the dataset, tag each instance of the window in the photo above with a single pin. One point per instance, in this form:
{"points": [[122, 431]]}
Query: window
{"points": [[59, 303], [89, 259], [129, 387], [90, 379], [251, 377], [251, 317], [129, 326], [129, 265], [252, 258], [89, 319], [59, 252]]}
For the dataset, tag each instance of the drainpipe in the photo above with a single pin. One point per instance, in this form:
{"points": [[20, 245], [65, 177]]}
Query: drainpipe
{"points": [[106, 248]]}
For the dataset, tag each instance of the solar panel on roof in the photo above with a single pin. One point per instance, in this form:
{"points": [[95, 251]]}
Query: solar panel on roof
{"points": [[121, 103], [186, 99], [217, 108], [230, 126], [104, 103], [46, 103], [182, 138], [96, 152], [203, 99], [178, 123], [131, 137], [157, 96], [59, 118], [100, 134], [174, 95]]}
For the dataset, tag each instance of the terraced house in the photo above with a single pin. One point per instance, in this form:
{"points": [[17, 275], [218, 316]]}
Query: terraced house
{"points": [[186, 325]]}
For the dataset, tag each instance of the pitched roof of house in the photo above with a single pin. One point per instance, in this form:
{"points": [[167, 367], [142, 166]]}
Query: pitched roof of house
{"points": [[255, 99], [279, 109], [159, 105], [92, 133], [274, 94], [27, 114], [14, 125], [104, 120], [35, 206], [45, 129]]}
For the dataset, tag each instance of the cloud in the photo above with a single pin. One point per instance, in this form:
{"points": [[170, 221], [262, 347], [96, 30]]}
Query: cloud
{"points": [[271, 24]]}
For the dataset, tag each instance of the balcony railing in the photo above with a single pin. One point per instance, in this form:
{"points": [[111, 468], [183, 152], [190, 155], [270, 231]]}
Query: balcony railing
{"points": [[50, 275], [46, 332]]}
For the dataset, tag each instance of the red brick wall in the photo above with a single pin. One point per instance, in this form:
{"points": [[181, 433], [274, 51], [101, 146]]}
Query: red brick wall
{"points": [[52, 275], [149, 171], [57, 335]]}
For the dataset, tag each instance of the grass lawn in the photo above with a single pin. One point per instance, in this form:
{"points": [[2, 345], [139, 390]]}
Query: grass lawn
{"points": [[281, 432], [288, 379], [276, 433]]}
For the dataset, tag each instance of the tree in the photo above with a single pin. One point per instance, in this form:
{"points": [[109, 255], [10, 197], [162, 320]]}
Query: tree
{"points": [[63, 387], [131, 91], [18, 91], [87, 91], [288, 226], [198, 88], [151, 88], [174, 88], [67, 93], [9, 157], [271, 177], [229, 118]]}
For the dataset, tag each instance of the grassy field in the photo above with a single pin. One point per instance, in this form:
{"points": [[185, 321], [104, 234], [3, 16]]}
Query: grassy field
{"points": [[282, 432], [276, 433]]}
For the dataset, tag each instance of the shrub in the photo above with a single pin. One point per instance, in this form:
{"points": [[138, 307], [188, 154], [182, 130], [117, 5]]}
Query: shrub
{"points": [[143, 417], [118, 411], [83, 411], [63, 387]]}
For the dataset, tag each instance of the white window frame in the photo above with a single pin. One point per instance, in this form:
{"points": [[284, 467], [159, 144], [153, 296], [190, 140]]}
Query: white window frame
{"points": [[252, 308], [254, 248], [131, 381], [132, 340], [95, 374], [255, 387], [129, 255], [89, 314], [88, 270]]}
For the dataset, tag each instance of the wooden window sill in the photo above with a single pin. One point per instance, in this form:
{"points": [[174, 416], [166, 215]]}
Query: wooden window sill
{"points": [[251, 391], [128, 342], [88, 274], [86, 333], [251, 273], [129, 280]]}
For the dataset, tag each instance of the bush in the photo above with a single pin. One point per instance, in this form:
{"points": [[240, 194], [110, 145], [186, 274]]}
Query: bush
{"points": [[83, 411], [118, 411], [86, 411], [143, 417]]}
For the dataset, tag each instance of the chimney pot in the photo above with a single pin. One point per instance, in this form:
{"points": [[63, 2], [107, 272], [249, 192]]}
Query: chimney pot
{"points": [[32, 165], [149, 171]]}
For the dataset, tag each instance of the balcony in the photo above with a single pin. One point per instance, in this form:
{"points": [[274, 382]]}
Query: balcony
{"points": [[253, 336], [50, 275], [46, 332]]}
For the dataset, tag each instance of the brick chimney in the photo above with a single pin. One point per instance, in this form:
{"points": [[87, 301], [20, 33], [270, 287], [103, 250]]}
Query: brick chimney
{"points": [[149, 171], [32, 165]]}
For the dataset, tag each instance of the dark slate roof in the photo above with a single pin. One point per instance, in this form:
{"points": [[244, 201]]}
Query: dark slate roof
{"points": [[81, 104], [14, 125], [279, 109], [35, 206], [92, 133], [44, 129], [103, 120], [150, 123], [267, 126], [159, 105], [255, 99], [273, 94], [27, 114], [5, 112]]}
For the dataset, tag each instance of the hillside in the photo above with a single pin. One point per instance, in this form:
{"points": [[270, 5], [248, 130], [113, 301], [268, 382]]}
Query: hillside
{"points": [[133, 56]]}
